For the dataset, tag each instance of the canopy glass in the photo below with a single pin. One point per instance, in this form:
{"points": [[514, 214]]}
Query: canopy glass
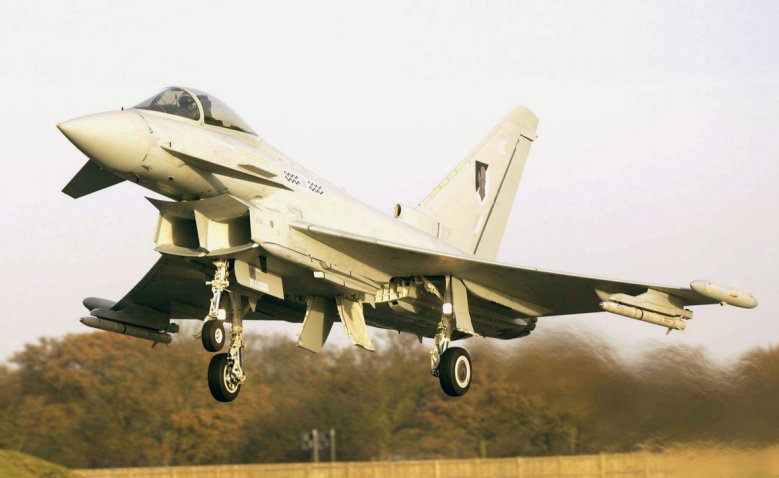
{"points": [[188, 103]]}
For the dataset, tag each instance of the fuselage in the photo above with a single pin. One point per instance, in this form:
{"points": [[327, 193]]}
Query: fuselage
{"points": [[132, 144], [311, 199]]}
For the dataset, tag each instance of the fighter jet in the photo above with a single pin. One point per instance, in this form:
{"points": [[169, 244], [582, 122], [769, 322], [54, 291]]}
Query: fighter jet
{"points": [[249, 234]]}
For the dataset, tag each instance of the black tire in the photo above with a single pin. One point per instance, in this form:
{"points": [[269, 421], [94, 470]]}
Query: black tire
{"points": [[213, 335], [222, 389], [455, 371]]}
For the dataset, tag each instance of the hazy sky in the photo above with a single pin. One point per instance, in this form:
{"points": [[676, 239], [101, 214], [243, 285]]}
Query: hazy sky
{"points": [[656, 158]]}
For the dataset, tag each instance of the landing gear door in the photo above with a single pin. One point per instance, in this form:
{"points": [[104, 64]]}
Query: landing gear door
{"points": [[254, 278], [320, 315], [352, 316], [462, 314]]}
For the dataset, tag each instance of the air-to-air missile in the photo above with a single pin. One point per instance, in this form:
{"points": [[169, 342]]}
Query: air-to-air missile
{"points": [[126, 329], [674, 323], [662, 311]]}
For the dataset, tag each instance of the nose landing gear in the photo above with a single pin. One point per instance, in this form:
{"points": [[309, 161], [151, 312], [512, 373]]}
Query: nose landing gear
{"points": [[225, 371], [213, 332]]}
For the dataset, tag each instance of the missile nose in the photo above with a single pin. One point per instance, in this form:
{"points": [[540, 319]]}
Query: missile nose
{"points": [[118, 140]]}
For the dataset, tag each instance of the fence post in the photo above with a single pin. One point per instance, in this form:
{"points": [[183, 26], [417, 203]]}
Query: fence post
{"points": [[602, 465], [646, 465], [437, 467], [518, 467]]}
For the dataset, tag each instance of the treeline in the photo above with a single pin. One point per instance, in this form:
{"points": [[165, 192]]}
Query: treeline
{"points": [[104, 400]]}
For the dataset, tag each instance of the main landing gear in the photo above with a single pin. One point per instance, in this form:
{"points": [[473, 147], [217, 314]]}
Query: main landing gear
{"points": [[225, 372], [452, 365]]}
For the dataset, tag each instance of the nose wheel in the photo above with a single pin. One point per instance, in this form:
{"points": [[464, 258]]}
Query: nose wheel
{"points": [[213, 332], [213, 335]]}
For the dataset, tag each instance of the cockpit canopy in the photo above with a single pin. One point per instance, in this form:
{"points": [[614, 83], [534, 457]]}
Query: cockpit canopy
{"points": [[193, 104]]}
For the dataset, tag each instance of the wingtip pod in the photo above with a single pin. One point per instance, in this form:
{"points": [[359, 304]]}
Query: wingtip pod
{"points": [[724, 294]]}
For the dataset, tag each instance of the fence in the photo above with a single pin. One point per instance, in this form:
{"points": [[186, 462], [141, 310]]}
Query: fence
{"points": [[684, 463]]}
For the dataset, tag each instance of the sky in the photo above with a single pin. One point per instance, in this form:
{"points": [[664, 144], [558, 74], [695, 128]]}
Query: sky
{"points": [[656, 159]]}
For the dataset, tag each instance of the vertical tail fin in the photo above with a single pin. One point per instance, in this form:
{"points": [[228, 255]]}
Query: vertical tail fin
{"points": [[473, 202]]}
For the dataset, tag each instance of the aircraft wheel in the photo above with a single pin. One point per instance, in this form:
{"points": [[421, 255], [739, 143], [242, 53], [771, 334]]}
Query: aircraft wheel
{"points": [[455, 371], [213, 335], [223, 386]]}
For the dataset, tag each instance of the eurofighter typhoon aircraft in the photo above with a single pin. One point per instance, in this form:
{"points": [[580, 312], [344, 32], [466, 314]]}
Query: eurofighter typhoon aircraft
{"points": [[249, 234]]}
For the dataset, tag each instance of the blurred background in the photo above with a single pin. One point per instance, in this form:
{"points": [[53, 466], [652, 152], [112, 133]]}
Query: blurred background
{"points": [[104, 400]]}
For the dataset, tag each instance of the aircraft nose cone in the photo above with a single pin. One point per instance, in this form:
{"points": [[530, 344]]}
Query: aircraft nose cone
{"points": [[118, 140]]}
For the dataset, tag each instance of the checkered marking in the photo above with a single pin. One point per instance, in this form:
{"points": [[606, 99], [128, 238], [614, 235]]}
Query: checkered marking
{"points": [[315, 188], [292, 178]]}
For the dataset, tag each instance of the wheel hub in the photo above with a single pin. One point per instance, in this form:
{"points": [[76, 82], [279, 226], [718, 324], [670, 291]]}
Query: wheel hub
{"points": [[462, 371], [229, 381]]}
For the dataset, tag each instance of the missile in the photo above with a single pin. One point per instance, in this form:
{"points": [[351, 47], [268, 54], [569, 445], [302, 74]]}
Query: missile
{"points": [[724, 294], [644, 315], [126, 329]]}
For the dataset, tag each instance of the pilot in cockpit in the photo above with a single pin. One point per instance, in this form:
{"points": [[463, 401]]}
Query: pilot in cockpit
{"points": [[188, 106], [184, 103]]}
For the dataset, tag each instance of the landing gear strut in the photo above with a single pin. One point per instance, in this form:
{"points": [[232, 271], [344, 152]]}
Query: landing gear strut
{"points": [[225, 372], [452, 365], [213, 332]]}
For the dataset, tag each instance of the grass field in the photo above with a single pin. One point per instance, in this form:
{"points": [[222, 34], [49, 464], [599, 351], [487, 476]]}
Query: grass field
{"points": [[18, 465]]}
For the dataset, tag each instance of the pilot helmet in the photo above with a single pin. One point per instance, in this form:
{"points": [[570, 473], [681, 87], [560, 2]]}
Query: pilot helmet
{"points": [[186, 102]]}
